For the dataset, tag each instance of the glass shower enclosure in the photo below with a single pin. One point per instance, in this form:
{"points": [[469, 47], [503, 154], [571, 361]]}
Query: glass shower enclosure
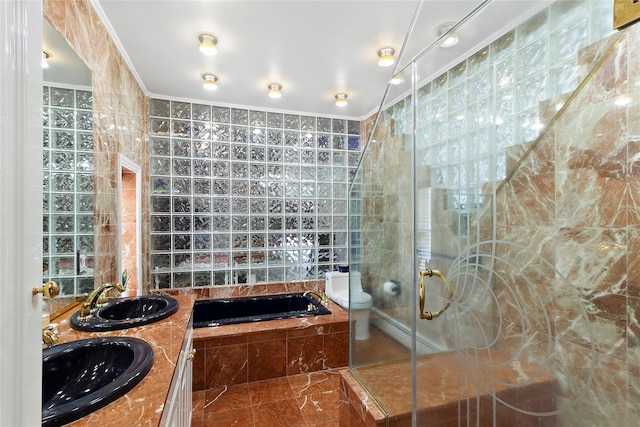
{"points": [[469, 300]]}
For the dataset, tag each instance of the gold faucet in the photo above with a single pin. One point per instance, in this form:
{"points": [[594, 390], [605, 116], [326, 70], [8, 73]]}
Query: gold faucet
{"points": [[49, 336], [92, 301], [324, 300]]}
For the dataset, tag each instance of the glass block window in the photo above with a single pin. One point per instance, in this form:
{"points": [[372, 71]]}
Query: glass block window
{"points": [[68, 188], [247, 196]]}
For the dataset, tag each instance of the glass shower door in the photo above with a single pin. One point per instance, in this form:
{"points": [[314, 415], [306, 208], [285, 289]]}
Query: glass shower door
{"points": [[491, 294]]}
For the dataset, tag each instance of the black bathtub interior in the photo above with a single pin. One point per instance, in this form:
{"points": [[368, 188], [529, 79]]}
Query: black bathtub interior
{"points": [[217, 312]]}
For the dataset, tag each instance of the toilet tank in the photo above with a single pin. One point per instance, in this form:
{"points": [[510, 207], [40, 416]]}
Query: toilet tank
{"points": [[336, 284]]}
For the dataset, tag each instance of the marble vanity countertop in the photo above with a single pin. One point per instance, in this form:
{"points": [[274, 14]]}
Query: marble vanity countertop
{"points": [[143, 405]]}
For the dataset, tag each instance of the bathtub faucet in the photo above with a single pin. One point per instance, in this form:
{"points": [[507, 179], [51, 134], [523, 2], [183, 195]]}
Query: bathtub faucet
{"points": [[92, 301], [322, 298]]}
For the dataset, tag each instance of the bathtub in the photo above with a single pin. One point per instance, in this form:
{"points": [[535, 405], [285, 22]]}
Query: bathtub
{"points": [[217, 312]]}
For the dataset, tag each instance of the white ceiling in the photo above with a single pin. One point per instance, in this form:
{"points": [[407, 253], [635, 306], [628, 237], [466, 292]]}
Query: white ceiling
{"points": [[316, 49]]}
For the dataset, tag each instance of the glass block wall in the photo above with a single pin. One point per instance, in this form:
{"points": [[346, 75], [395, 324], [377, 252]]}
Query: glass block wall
{"points": [[470, 115], [247, 196], [68, 189]]}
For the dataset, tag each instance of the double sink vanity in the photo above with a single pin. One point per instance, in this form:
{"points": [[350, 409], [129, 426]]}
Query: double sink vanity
{"points": [[126, 362]]}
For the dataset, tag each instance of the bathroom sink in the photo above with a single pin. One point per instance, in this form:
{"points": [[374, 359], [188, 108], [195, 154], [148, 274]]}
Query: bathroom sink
{"points": [[122, 313], [82, 376]]}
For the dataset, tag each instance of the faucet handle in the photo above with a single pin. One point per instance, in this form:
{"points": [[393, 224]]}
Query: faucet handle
{"points": [[85, 311], [325, 300], [322, 298]]}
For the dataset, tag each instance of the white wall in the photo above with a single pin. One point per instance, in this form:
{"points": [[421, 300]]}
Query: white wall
{"points": [[20, 211]]}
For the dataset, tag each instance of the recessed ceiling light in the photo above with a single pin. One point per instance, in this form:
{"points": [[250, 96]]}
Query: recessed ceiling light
{"points": [[341, 99], [210, 81], [451, 40], [385, 55], [274, 90], [45, 56], [208, 43]]}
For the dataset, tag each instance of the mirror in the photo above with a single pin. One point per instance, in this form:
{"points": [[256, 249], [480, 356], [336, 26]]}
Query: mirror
{"points": [[68, 182]]}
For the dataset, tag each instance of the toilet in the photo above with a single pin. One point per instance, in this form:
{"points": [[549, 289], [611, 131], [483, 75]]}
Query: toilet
{"points": [[337, 289]]}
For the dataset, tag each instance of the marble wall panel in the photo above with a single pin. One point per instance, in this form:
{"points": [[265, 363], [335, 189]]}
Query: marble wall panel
{"points": [[531, 200], [633, 263], [611, 78], [386, 203], [588, 202]]}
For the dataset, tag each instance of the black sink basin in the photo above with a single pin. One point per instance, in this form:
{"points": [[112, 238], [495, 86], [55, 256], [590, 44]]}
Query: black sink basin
{"points": [[125, 313], [82, 376]]}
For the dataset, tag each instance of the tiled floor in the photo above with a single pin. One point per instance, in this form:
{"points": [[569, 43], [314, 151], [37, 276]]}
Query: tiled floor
{"points": [[305, 400], [379, 348]]}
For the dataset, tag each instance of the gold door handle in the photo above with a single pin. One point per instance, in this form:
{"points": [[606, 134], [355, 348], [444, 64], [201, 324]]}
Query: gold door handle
{"points": [[192, 354], [429, 273], [49, 290]]}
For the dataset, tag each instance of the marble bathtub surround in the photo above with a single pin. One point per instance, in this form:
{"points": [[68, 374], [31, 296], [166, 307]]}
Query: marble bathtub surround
{"points": [[244, 353], [237, 354], [143, 405]]}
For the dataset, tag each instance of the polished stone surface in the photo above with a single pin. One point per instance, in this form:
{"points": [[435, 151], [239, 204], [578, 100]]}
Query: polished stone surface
{"points": [[143, 405], [241, 353], [448, 389], [80, 377], [303, 400]]}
